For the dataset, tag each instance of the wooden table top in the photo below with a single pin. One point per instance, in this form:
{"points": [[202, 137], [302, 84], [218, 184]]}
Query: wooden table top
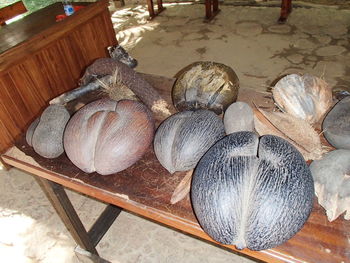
{"points": [[29, 26], [33, 32], [146, 189]]}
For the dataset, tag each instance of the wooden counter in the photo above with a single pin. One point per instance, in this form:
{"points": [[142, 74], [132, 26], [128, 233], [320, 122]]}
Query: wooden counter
{"points": [[146, 189], [41, 58]]}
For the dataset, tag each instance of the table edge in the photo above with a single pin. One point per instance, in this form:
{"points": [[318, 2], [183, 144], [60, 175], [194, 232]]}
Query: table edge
{"points": [[170, 220]]}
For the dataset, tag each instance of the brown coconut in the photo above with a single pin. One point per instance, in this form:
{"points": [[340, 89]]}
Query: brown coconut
{"points": [[107, 136], [205, 85]]}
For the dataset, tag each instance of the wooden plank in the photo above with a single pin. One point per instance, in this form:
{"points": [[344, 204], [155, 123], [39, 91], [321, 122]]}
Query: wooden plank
{"points": [[64, 208], [103, 223], [11, 11], [28, 33], [5, 133], [39, 80], [10, 101], [29, 101]]}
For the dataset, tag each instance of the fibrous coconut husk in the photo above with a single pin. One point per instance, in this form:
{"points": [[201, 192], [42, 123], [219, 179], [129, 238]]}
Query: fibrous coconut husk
{"points": [[116, 90], [183, 188], [331, 175], [297, 131], [304, 96], [205, 85], [126, 76]]}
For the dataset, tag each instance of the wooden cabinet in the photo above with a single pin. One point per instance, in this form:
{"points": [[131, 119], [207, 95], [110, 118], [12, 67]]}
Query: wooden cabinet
{"points": [[41, 58]]}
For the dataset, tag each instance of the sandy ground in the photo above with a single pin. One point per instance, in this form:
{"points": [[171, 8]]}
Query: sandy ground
{"points": [[315, 40]]}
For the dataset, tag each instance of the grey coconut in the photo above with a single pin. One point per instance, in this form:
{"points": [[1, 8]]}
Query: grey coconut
{"points": [[332, 183], [252, 193], [183, 138], [239, 116], [336, 125], [45, 135]]}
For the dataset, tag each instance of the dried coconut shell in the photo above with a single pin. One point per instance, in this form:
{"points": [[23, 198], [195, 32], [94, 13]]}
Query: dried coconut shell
{"points": [[303, 96], [296, 131], [332, 183], [205, 85]]}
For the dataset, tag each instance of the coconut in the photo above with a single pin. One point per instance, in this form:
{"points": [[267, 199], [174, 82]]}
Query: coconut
{"points": [[252, 192], [106, 136], [332, 183], [239, 116], [303, 96], [205, 85], [45, 134], [183, 138], [336, 125]]}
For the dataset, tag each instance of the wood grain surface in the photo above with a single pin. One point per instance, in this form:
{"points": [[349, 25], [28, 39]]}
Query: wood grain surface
{"points": [[41, 58], [146, 189], [11, 11]]}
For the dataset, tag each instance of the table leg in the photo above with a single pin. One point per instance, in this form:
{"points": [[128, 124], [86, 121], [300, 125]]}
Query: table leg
{"points": [[150, 8], [160, 6], [207, 9], [286, 9], [215, 6], [64, 208], [120, 3], [152, 13], [211, 9]]}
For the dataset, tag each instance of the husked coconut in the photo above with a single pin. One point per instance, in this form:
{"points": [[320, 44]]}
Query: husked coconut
{"points": [[336, 125], [45, 134], [183, 138], [296, 131], [106, 136], [239, 116], [252, 192]]}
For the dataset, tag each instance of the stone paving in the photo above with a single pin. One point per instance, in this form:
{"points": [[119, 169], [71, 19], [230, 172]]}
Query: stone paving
{"points": [[315, 40]]}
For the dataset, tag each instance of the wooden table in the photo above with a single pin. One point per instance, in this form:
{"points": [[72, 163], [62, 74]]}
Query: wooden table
{"points": [[41, 58], [146, 189]]}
